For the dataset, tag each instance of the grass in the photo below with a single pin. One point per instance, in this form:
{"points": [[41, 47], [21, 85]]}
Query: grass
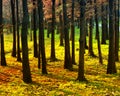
{"points": [[58, 82]]}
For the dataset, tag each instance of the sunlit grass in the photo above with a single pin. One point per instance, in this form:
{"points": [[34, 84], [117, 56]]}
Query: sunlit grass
{"points": [[59, 82]]}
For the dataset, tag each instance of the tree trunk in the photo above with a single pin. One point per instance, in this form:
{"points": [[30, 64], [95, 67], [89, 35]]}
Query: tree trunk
{"points": [[2, 54], [73, 33], [81, 76], [106, 20], [103, 25], [90, 48], [116, 30], [41, 37], [35, 30], [14, 29], [111, 67], [25, 60], [97, 34], [48, 29], [67, 62], [31, 28], [18, 37], [61, 30], [53, 58]]}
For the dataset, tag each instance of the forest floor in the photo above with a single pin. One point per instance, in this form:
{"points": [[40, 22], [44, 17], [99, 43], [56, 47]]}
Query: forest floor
{"points": [[59, 81]]}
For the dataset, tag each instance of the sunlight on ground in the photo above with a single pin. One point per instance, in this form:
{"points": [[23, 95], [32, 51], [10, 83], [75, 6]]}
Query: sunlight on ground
{"points": [[58, 82]]}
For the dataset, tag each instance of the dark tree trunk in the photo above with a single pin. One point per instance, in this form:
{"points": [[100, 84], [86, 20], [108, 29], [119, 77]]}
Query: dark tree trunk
{"points": [[103, 25], [41, 37], [49, 29], [52, 57], [25, 60], [2, 53], [106, 20], [86, 47], [61, 30], [81, 76], [111, 67], [14, 29], [116, 30], [91, 25], [97, 34], [18, 37], [31, 28], [67, 61], [73, 33], [57, 29], [90, 48], [35, 29]]}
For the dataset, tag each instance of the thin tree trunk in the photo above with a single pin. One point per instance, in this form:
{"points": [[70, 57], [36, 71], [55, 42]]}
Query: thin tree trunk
{"points": [[90, 48], [73, 33], [106, 24], [14, 29], [18, 37], [35, 30], [31, 28], [2, 52], [61, 30], [103, 25], [53, 57], [41, 37], [116, 30], [97, 35], [67, 62], [49, 29]]}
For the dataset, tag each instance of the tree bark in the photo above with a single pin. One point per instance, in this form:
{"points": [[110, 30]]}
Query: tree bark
{"points": [[67, 62], [111, 66], [2, 52], [73, 33], [116, 30], [17, 26], [81, 76], [14, 28], [41, 37], [53, 57], [90, 48], [35, 30], [61, 30], [97, 34], [25, 60], [103, 25]]}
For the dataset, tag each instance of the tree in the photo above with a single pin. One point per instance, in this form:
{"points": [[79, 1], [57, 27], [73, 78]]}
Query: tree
{"points": [[73, 33], [90, 48], [35, 29], [97, 33], [2, 54], [81, 76], [14, 28], [18, 33], [41, 38], [25, 60], [103, 17], [61, 29], [116, 29], [111, 67], [67, 62], [53, 58]]}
